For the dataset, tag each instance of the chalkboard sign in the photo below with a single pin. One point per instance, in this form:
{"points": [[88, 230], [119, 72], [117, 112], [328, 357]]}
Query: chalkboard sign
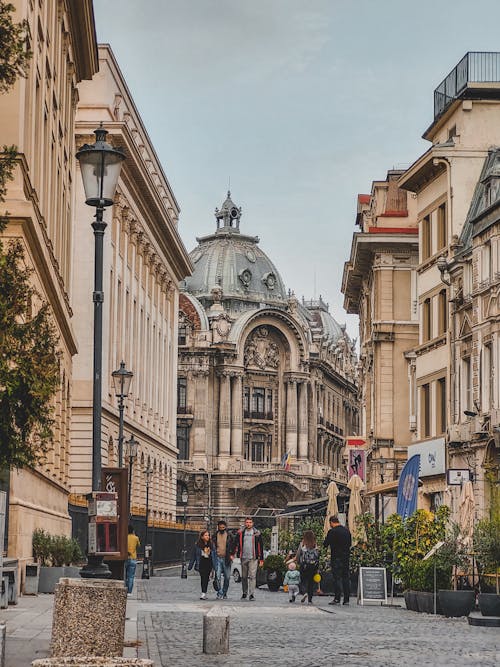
{"points": [[372, 585]]}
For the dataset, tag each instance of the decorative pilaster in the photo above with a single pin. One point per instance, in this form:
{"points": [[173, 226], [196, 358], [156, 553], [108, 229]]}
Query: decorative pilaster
{"points": [[303, 424], [224, 414], [291, 417], [237, 414]]}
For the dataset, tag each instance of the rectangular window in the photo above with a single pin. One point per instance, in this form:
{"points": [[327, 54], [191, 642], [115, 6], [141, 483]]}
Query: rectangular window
{"points": [[181, 395], [246, 402], [443, 312], [269, 403], [426, 320], [182, 334], [442, 236], [487, 379], [425, 408], [441, 405], [426, 237], [183, 443], [467, 384], [258, 398]]}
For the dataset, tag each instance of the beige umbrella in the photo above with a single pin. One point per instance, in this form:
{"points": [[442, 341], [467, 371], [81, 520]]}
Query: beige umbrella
{"points": [[332, 509], [466, 518], [355, 485]]}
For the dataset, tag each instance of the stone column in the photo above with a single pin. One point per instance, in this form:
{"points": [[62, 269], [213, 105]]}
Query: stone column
{"points": [[237, 416], [303, 422], [291, 417], [313, 424], [198, 432], [224, 415]]}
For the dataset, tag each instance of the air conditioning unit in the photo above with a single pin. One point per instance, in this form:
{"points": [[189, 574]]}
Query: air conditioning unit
{"points": [[455, 433]]}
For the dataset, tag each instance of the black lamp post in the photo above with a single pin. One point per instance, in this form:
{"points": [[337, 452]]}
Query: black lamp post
{"points": [[184, 501], [146, 564], [131, 451], [100, 165], [122, 379]]}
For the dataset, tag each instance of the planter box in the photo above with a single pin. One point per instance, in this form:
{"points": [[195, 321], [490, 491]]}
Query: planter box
{"points": [[425, 602], [457, 603], [49, 576], [411, 600], [489, 604], [92, 662]]}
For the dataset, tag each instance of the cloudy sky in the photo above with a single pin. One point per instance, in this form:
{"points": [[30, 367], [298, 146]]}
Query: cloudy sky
{"points": [[300, 103]]}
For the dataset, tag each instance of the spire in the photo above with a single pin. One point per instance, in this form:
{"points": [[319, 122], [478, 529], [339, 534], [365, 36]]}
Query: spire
{"points": [[228, 217]]}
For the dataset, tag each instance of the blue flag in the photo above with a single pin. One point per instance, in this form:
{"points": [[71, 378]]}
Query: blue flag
{"points": [[408, 487]]}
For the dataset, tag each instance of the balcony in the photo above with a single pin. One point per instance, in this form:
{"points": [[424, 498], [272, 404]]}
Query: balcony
{"points": [[262, 416], [475, 67], [184, 410]]}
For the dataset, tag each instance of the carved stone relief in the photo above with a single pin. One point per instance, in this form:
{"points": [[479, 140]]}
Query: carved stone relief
{"points": [[261, 351]]}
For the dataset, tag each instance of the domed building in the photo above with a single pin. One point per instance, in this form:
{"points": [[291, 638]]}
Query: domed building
{"points": [[266, 384]]}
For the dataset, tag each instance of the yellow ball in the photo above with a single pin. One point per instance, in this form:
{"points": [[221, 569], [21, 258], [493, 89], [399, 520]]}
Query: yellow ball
{"points": [[317, 577]]}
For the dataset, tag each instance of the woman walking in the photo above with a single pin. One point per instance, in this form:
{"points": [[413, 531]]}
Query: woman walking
{"points": [[202, 560], [308, 560]]}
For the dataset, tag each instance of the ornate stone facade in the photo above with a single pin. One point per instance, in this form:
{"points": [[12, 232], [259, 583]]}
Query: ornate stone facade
{"points": [[266, 385]]}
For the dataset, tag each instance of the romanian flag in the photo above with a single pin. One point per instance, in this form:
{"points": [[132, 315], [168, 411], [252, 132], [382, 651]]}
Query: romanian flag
{"points": [[285, 461]]}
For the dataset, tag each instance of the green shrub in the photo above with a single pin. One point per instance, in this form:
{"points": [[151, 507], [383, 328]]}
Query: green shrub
{"points": [[41, 542], [275, 562]]}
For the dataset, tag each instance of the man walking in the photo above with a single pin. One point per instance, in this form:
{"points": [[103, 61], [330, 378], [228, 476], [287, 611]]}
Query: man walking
{"points": [[338, 539], [131, 562], [251, 551], [223, 550]]}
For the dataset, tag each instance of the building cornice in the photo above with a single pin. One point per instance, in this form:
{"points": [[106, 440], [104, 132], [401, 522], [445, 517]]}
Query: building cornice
{"points": [[81, 17]]}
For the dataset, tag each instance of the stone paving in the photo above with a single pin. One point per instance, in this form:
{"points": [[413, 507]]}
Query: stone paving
{"points": [[167, 619], [271, 631]]}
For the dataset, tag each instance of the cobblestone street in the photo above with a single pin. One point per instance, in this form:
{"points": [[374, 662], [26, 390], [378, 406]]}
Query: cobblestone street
{"points": [[271, 631]]}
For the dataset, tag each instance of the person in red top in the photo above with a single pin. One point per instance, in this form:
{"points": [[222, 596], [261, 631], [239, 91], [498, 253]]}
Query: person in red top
{"points": [[250, 549]]}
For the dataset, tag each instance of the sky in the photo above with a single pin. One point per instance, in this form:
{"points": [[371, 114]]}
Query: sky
{"points": [[298, 105]]}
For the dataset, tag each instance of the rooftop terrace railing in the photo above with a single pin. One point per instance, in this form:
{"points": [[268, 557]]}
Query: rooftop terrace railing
{"points": [[475, 67]]}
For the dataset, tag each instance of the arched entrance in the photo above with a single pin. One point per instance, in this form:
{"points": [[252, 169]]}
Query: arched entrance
{"points": [[266, 500]]}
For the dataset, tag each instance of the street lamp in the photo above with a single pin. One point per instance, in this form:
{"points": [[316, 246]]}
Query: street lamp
{"points": [[131, 451], [184, 501], [122, 379], [100, 165], [148, 472]]}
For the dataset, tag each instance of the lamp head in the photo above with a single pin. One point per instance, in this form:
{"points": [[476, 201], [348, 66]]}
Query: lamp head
{"points": [[131, 448], [442, 264], [122, 379], [100, 165]]}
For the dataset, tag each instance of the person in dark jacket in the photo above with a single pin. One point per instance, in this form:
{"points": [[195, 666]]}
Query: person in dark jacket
{"points": [[250, 549], [339, 540], [202, 560], [222, 546]]}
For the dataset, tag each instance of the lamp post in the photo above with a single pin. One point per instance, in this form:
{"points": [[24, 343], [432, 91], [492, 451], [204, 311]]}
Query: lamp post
{"points": [[100, 165], [146, 566], [184, 501], [122, 379], [131, 451]]}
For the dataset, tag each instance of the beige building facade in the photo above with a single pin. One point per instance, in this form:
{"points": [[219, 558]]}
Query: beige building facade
{"points": [[266, 384], [144, 261], [380, 286], [38, 116], [444, 367]]}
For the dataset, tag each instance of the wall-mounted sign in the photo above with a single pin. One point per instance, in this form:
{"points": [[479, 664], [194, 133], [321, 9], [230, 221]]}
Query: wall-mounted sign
{"points": [[432, 456], [357, 463], [457, 477], [355, 441]]}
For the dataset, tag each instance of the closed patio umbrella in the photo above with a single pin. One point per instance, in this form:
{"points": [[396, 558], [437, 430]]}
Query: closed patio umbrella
{"points": [[355, 485], [466, 518], [332, 509]]}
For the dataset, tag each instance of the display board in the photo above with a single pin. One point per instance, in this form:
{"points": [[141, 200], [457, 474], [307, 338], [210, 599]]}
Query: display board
{"points": [[372, 585]]}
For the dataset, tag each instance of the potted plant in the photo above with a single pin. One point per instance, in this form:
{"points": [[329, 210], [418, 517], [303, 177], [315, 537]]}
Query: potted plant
{"points": [[274, 565], [452, 558], [487, 548], [55, 554]]}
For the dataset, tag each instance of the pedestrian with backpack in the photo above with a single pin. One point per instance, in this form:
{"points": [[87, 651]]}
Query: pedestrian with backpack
{"points": [[308, 560]]}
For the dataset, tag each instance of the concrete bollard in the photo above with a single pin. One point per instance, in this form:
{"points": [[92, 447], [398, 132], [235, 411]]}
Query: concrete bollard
{"points": [[3, 634], [216, 632]]}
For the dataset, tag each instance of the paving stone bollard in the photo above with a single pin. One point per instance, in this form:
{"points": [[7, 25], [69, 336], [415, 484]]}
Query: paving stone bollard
{"points": [[216, 632], [92, 662], [89, 618], [3, 634]]}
